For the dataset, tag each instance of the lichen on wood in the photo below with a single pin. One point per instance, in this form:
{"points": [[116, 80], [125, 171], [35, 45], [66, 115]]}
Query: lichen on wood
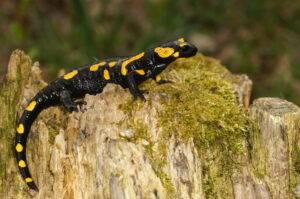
{"points": [[12, 92], [276, 151]]}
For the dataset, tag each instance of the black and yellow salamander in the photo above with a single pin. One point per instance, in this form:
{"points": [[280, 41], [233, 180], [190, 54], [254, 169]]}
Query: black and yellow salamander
{"points": [[128, 72]]}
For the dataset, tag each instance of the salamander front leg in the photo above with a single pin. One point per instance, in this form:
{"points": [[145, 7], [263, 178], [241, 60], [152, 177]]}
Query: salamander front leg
{"points": [[67, 101], [133, 88]]}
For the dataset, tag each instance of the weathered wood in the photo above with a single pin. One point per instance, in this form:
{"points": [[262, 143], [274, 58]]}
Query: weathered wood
{"points": [[269, 165], [242, 86], [112, 151], [276, 150], [21, 73]]}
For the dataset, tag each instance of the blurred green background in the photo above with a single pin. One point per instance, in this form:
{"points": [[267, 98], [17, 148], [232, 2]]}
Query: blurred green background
{"points": [[259, 38]]}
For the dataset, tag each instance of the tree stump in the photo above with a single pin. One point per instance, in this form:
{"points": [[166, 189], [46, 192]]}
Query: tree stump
{"points": [[191, 139], [276, 151]]}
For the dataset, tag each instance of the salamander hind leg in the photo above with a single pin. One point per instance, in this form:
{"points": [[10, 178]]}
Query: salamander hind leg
{"points": [[159, 80], [164, 81], [144, 91], [68, 102]]}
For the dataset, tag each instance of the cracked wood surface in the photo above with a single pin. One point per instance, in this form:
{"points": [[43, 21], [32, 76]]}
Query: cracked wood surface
{"points": [[88, 155]]}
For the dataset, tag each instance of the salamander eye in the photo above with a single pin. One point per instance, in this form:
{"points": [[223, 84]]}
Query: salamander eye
{"points": [[185, 48]]}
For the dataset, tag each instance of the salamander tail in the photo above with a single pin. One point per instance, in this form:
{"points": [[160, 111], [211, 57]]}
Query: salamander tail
{"points": [[23, 128]]}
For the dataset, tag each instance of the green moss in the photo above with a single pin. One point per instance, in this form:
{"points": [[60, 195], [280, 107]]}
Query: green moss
{"points": [[10, 91], [55, 120], [295, 156], [297, 163], [7, 124], [200, 105], [259, 173], [209, 185]]}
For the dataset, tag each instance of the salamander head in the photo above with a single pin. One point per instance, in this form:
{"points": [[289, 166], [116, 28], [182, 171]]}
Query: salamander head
{"points": [[185, 48], [175, 49], [164, 54]]}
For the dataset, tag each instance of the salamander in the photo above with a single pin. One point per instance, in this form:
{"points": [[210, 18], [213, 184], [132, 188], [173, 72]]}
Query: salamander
{"points": [[127, 71]]}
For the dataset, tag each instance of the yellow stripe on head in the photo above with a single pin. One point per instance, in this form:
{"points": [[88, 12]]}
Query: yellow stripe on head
{"points": [[164, 52], [22, 164], [181, 40], [31, 106], [28, 180], [183, 44], [19, 148], [128, 61], [20, 128], [106, 75], [112, 64], [71, 74]]}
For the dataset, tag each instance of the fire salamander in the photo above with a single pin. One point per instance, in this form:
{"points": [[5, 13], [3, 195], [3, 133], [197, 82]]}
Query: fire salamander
{"points": [[128, 72]]}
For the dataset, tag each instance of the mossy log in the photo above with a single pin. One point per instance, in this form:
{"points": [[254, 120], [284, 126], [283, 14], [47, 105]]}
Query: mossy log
{"points": [[191, 139]]}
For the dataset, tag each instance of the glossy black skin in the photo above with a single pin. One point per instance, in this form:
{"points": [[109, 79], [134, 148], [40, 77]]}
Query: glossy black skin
{"points": [[65, 91]]}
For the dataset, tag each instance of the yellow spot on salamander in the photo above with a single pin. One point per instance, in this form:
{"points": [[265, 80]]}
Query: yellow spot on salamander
{"points": [[183, 44], [157, 78], [71, 74], [181, 39], [106, 74], [96, 66], [19, 148], [22, 164], [141, 72], [112, 64], [31, 106], [164, 52], [128, 61], [20, 129], [176, 54], [28, 180]]}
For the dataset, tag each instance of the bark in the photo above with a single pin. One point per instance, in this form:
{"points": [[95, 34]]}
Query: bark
{"points": [[106, 151]]}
